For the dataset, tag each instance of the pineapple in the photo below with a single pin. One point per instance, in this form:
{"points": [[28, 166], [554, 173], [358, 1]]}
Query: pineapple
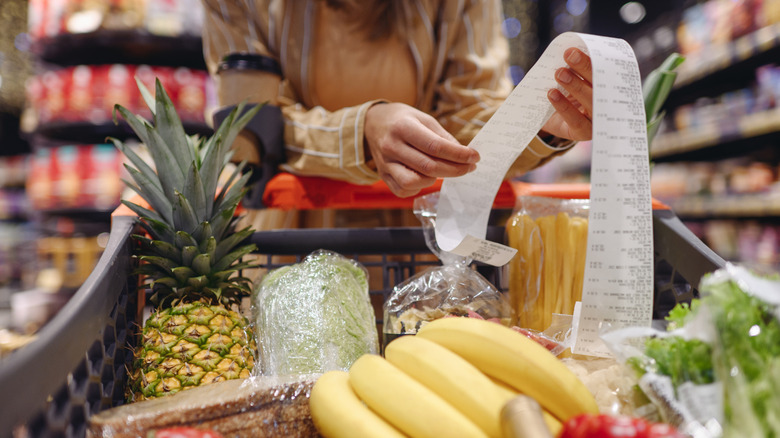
{"points": [[194, 335]]}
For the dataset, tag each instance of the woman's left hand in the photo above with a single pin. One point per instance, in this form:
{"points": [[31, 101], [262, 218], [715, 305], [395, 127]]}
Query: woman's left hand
{"points": [[572, 117]]}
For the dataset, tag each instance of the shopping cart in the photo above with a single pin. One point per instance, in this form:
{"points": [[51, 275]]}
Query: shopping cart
{"points": [[78, 364]]}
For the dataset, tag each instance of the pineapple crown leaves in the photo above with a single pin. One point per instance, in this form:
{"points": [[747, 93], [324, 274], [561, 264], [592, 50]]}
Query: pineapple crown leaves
{"points": [[183, 190], [193, 249]]}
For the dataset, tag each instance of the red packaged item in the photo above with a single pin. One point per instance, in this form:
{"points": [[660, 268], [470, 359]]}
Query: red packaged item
{"points": [[79, 94], [191, 98], [39, 186], [615, 426], [101, 179], [66, 176], [120, 88], [53, 97]]}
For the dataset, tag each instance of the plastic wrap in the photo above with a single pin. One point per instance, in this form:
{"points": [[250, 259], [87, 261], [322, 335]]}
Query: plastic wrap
{"points": [[255, 407], [452, 289], [314, 316], [546, 275], [715, 371]]}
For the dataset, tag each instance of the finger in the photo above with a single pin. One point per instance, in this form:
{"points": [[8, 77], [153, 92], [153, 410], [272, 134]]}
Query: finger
{"points": [[430, 166], [576, 125], [578, 88], [404, 182], [579, 62], [436, 146], [399, 151]]}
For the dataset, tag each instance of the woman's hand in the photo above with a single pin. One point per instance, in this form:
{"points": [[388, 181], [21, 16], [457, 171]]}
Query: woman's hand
{"points": [[572, 117], [411, 149]]}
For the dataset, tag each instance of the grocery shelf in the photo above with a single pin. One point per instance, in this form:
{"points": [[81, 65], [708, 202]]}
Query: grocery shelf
{"points": [[717, 58], [760, 205], [721, 68], [121, 47], [91, 133], [746, 127]]}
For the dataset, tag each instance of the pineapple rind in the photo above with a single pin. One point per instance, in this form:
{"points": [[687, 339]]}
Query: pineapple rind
{"points": [[195, 344]]}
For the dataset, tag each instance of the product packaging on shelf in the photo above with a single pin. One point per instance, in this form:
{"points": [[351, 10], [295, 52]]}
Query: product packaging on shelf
{"points": [[86, 94], [75, 177], [51, 18], [452, 289]]}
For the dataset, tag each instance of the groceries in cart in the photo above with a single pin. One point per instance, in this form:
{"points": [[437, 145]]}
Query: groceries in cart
{"points": [[452, 289], [546, 274], [314, 316], [714, 370]]}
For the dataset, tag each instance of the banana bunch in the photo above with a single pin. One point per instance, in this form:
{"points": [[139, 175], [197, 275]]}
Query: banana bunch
{"points": [[452, 379]]}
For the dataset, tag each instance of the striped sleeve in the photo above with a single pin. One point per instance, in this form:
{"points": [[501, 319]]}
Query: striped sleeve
{"points": [[317, 142], [329, 144], [476, 82]]}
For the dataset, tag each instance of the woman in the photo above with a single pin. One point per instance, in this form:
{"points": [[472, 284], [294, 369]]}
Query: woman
{"points": [[381, 89]]}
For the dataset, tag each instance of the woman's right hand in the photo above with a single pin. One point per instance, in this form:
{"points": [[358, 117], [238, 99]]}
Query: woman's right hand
{"points": [[411, 149]]}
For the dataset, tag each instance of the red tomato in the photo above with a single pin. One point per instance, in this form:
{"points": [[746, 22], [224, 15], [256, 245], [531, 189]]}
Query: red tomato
{"points": [[185, 432], [610, 426]]}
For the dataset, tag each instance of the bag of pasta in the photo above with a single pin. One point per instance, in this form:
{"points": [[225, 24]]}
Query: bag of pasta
{"points": [[546, 274], [452, 289]]}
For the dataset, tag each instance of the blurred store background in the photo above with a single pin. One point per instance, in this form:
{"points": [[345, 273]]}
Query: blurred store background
{"points": [[64, 63]]}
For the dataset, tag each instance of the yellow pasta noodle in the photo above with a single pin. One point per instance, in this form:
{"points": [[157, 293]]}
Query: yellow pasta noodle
{"points": [[546, 275]]}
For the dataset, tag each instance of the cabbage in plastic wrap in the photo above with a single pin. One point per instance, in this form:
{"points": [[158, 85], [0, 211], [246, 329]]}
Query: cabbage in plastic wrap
{"points": [[314, 316]]}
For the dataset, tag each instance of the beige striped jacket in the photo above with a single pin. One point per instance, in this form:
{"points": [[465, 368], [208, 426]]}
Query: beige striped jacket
{"points": [[460, 73]]}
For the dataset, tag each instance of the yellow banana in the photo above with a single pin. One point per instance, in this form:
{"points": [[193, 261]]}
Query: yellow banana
{"points": [[510, 357], [405, 403], [452, 378], [337, 411]]}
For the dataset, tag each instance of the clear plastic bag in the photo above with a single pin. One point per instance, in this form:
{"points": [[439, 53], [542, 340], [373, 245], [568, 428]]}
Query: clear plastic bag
{"points": [[259, 406], [452, 289], [546, 274], [314, 316], [716, 370]]}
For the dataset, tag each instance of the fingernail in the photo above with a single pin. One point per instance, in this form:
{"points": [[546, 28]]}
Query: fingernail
{"points": [[564, 76], [574, 57], [474, 158], [555, 95]]}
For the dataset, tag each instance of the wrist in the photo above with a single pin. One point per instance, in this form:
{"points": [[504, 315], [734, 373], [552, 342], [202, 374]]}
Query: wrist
{"points": [[368, 125]]}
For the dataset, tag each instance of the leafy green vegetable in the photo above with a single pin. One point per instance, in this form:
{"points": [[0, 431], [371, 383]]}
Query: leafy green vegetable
{"points": [[744, 356], [680, 314], [684, 360], [314, 316]]}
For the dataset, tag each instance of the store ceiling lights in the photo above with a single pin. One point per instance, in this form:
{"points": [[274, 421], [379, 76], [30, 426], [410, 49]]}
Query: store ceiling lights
{"points": [[576, 7], [632, 12]]}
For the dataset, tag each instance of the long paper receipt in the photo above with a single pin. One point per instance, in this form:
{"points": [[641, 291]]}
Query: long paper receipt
{"points": [[618, 284]]}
